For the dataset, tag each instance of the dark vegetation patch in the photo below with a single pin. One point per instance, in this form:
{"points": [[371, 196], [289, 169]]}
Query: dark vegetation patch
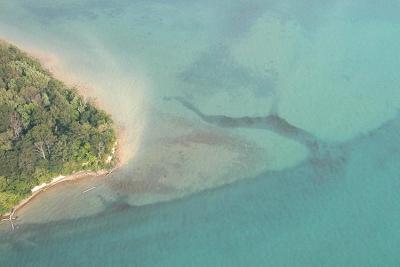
{"points": [[46, 128]]}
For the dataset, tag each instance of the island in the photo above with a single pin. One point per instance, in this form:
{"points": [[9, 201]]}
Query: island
{"points": [[47, 130]]}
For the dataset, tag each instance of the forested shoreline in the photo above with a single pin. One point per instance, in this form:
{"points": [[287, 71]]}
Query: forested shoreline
{"points": [[46, 128]]}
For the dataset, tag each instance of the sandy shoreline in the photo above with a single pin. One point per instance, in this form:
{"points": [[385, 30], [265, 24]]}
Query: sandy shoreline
{"points": [[56, 181], [52, 64]]}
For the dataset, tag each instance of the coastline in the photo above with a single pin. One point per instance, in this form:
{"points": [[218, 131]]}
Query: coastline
{"points": [[52, 64], [55, 181]]}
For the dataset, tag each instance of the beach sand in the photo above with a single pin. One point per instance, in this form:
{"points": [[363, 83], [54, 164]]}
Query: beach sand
{"points": [[55, 181]]}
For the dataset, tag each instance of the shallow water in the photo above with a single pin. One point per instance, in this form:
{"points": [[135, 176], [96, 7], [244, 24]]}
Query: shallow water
{"points": [[315, 183]]}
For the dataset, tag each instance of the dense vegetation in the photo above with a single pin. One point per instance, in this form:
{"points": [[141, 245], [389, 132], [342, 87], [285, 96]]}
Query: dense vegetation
{"points": [[46, 129]]}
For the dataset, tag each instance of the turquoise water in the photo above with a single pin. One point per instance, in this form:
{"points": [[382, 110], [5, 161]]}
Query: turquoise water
{"points": [[266, 133]]}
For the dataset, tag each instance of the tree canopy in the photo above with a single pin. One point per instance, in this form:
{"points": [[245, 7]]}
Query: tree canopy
{"points": [[46, 128]]}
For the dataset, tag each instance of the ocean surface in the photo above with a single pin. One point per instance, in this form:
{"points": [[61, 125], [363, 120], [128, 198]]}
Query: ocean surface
{"points": [[255, 133]]}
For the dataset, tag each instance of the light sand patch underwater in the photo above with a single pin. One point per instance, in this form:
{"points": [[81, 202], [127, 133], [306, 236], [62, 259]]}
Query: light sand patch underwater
{"points": [[170, 165], [328, 79]]}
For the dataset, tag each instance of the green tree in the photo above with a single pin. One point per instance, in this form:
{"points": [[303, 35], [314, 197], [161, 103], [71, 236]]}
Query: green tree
{"points": [[3, 183], [46, 128]]}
